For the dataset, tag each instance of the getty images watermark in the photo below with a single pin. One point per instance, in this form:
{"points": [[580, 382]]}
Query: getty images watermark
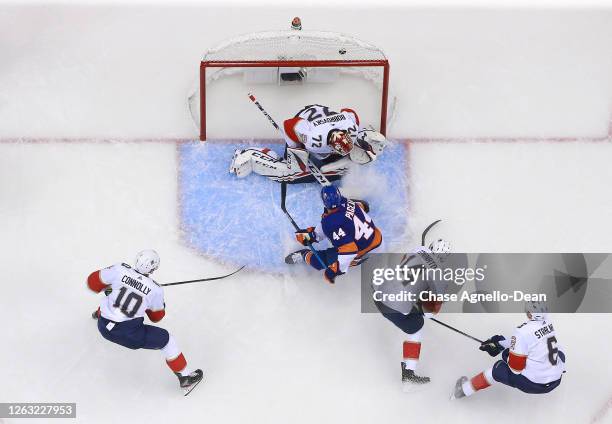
{"points": [[410, 275], [488, 282]]}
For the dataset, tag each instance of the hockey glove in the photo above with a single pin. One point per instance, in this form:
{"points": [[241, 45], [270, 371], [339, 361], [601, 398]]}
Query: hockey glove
{"points": [[331, 272], [364, 205], [307, 236], [492, 346]]}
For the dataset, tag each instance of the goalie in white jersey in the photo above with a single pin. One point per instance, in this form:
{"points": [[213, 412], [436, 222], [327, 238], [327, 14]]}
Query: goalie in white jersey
{"points": [[331, 140], [532, 360], [130, 294]]}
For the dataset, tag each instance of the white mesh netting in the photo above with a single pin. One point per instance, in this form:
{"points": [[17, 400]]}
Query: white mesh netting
{"points": [[294, 45], [288, 45]]}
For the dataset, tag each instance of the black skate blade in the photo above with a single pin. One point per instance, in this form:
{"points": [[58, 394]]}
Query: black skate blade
{"points": [[188, 389]]}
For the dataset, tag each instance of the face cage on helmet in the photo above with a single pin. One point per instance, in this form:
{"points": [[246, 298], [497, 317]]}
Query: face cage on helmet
{"points": [[339, 146]]}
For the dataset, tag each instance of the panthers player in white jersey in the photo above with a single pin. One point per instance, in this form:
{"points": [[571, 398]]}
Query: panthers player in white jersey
{"points": [[331, 140], [130, 294], [532, 360], [410, 316]]}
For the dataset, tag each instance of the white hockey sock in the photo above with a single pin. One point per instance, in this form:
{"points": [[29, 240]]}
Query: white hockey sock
{"points": [[478, 382], [412, 349], [174, 357]]}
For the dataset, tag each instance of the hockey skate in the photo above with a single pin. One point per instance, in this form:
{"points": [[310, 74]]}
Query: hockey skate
{"points": [[296, 257], [458, 390], [412, 382], [189, 382]]}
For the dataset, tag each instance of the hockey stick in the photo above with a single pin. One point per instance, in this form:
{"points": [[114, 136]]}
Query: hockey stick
{"points": [[297, 228], [407, 257], [457, 331], [260, 107], [427, 230], [314, 171], [204, 279]]}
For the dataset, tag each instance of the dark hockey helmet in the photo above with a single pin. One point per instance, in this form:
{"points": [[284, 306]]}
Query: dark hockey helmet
{"points": [[331, 196], [340, 141]]}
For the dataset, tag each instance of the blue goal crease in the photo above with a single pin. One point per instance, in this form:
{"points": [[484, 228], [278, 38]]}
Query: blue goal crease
{"points": [[239, 221]]}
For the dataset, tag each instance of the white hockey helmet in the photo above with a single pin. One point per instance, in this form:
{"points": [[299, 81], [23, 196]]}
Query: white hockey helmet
{"points": [[146, 262], [536, 310], [441, 248], [340, 141]]}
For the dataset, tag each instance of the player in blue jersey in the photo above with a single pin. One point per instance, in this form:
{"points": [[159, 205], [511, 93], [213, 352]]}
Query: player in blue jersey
{"points": [[349, 228]]}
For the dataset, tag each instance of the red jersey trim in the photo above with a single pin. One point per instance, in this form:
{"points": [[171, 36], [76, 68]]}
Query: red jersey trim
{"points": [[289, 126], [346, 109], [517, 362], [95, 283], [156, 316]]}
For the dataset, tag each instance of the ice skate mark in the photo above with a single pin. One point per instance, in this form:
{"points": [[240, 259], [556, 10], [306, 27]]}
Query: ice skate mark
{"points": [[603, 411]]}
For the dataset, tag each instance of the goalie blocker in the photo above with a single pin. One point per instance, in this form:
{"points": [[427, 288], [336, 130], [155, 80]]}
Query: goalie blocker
{"points": [[264, 161]]}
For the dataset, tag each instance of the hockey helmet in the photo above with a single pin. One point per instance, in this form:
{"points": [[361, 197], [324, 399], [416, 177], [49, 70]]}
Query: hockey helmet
{"points": [[536, 310], [441, 248], [340, 141], [331, 197], [147, 261]]}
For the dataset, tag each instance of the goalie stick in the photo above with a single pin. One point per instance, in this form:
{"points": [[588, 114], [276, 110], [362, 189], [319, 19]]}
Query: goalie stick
{"points": [[314, 171], [203, 279]]}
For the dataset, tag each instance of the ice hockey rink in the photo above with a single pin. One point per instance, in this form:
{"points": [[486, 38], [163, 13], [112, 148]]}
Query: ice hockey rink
{"points": [[504, 111]]}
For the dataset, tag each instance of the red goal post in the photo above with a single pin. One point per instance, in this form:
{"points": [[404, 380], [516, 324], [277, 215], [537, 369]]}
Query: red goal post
{"points": [[293, 57]]}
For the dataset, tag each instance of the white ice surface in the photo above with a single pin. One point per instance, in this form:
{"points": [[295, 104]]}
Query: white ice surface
{"points": [[125, 71], [274, 349]]}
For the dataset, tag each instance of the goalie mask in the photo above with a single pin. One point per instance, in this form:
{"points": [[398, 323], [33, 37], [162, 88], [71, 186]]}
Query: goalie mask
{"points": [[340, 141]]}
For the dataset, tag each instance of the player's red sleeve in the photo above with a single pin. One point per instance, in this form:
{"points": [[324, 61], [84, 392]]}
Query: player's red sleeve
{"points": [[289, 126], [517, 362], [346, 109], [156, 316], [95, 283]]}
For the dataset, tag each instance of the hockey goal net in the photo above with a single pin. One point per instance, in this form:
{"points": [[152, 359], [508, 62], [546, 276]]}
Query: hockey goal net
{"points": [[306, 65]]}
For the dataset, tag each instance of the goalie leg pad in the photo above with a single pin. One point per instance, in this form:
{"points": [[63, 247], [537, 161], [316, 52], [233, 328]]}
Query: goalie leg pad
{"points": [[252, 160]]}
